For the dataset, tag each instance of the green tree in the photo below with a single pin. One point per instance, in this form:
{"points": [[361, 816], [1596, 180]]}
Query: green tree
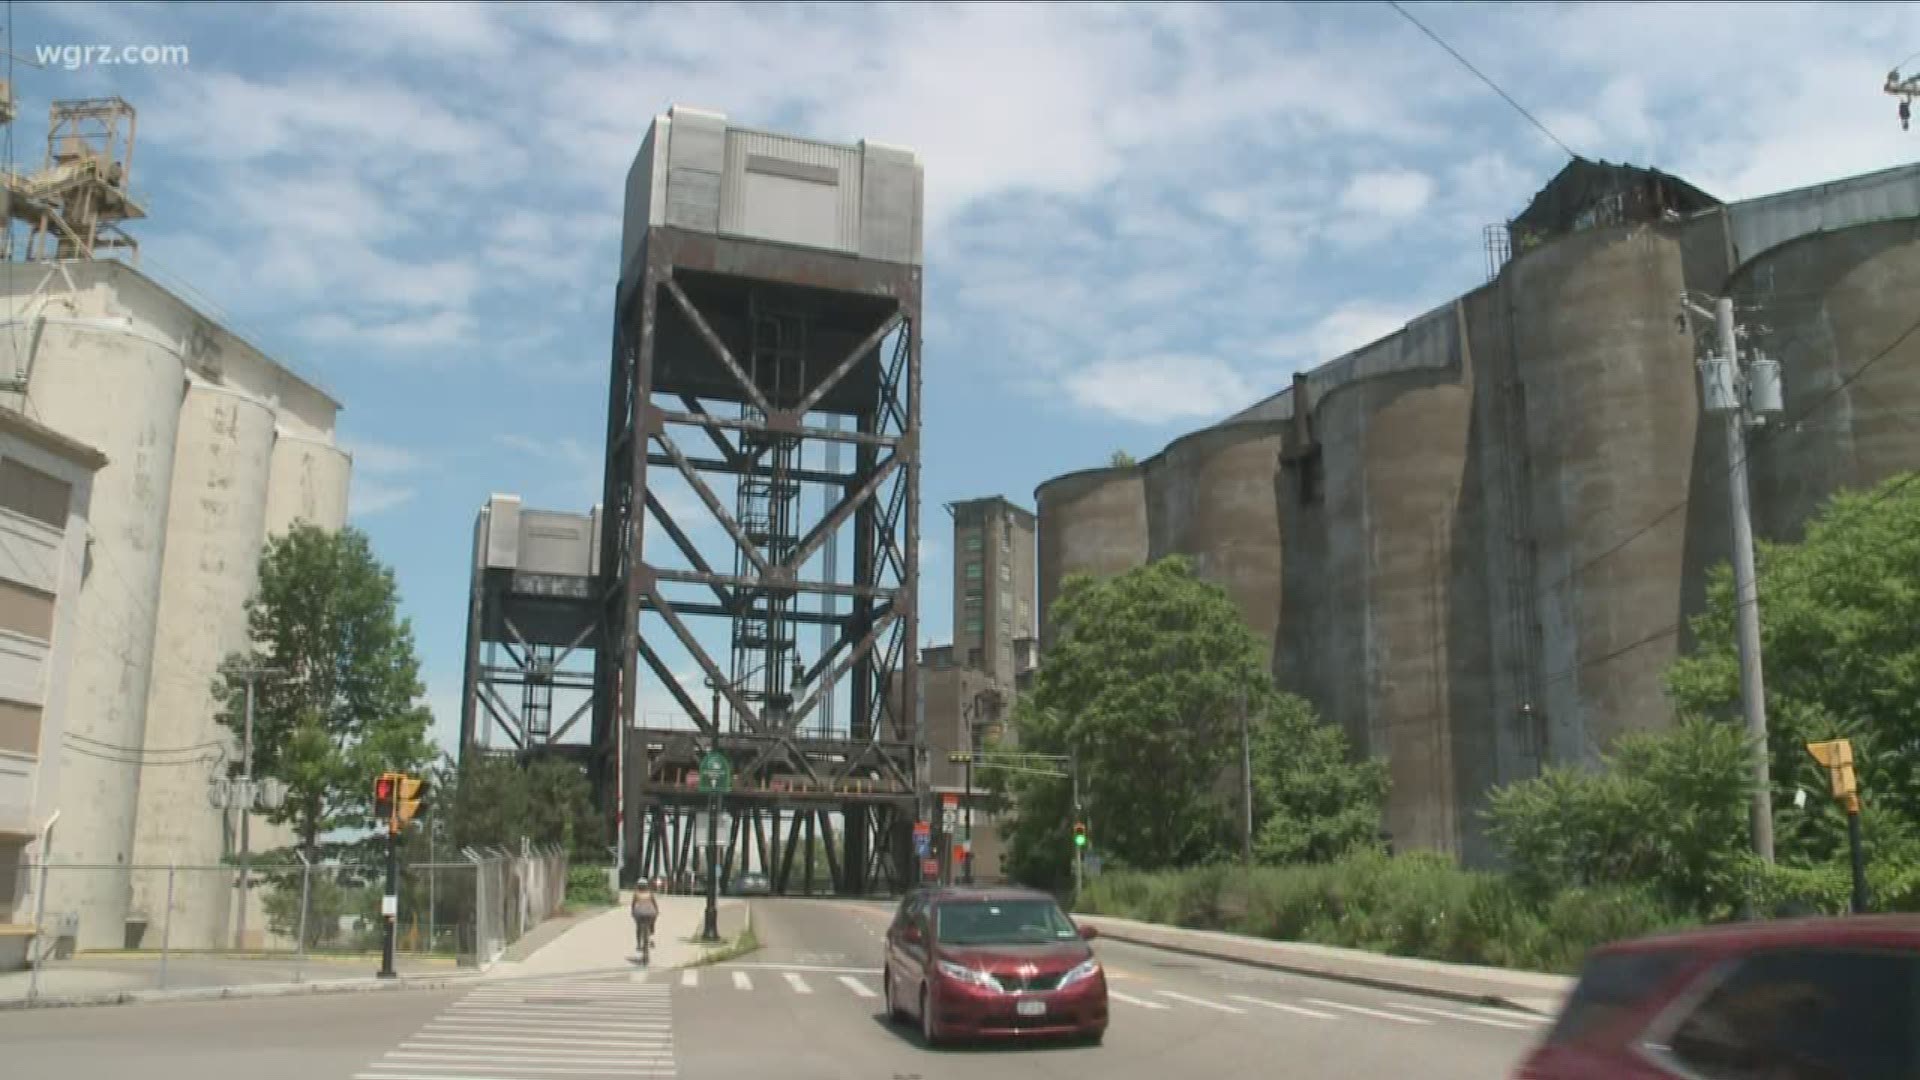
{"points": [[343, 702], [1311, 801], [1666, 811], [1120, 460], [1840, 634], [1144, 683], [498, 801]]}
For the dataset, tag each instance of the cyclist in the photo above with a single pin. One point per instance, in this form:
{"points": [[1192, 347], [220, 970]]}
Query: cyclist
{"points": [[645, 910]]}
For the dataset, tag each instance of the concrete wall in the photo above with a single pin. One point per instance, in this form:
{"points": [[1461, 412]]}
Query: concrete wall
{"points": [[1210, 496], [1517, 498], [1092, 522], [118, 389], [195, 481], [214, 533]]}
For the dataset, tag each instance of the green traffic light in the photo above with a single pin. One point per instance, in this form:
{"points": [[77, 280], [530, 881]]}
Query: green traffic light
{"points": [[1080, 840]]}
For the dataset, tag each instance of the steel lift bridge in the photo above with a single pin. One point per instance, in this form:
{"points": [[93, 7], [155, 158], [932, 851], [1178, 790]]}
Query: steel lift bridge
{"points": [[767, 316]]}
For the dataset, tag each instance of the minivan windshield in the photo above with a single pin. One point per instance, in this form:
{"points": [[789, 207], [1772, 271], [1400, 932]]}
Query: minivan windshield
{"points": [[1001, 922]]}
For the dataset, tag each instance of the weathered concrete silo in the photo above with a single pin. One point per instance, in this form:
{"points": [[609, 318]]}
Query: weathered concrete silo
{"points": [[107, 379], [1832, 302], [1611, 417], [214, 531], [1209, 495], [1369, 592], [1091, 522]]}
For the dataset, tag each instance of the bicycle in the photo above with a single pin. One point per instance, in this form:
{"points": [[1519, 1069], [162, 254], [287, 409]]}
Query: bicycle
{"points": [[646, 941]]}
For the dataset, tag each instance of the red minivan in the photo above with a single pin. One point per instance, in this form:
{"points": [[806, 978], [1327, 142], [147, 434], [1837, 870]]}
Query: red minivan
{"points": [[1796, 999], [981, 962]]}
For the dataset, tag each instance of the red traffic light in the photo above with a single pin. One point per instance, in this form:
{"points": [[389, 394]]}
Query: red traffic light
{"points": [[383, 788]]}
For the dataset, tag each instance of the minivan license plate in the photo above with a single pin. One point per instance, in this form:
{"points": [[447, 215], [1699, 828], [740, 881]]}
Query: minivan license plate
{"points": [[1031, 1008]]}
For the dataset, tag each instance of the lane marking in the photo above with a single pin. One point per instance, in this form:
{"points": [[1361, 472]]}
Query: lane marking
{"points": [[1118, 996], [1283, 1007], [549, 1059], [1514, 1015], [667, 1071], [741, 981], [458, 1027], [491, 1013], [857, 986], [802, 967], [1364, 1011], [690, 978], [799, 984], [635, 1042], [1469, 1017], [1202, 1002]]}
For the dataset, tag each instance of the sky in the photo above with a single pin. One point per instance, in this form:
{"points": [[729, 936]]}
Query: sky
{"points": [[1140, 218]]}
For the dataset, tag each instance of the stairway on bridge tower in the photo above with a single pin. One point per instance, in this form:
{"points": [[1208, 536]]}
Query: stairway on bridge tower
{"points": [[765, 639]]}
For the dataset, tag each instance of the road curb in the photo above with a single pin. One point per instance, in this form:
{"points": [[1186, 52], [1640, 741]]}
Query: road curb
{"points": [[1401, 985], [254, 990]]}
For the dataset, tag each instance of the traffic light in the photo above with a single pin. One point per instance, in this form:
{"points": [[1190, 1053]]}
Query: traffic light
{"points": [[412, 799], [1079, 834], [383, 790]]}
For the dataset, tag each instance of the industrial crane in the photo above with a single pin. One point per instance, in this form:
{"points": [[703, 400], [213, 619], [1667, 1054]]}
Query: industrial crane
{"points": [[1906, 90]]}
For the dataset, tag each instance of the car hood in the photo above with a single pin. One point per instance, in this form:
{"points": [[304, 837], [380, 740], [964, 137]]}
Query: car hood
{"points": [[1051, 958]]}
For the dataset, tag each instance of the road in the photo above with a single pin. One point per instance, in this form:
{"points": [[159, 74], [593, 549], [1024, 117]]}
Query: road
{"points": [[805, 1007]]}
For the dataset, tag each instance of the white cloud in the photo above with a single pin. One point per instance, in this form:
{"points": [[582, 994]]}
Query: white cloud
{"points": [[370, 497], [370, 456], [1158, 389], [1400, 193]]}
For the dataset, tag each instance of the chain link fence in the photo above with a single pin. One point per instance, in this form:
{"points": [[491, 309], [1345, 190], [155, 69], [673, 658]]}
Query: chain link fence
{"points": [[188, 926]]}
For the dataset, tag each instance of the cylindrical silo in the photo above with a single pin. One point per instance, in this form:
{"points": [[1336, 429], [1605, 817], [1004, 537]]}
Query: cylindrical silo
{"points": [[1369, 592], [1611, 416], [214, 532], [118, 389], [309, 483], [1831, 302], [1210, 495], [1091, 522]]}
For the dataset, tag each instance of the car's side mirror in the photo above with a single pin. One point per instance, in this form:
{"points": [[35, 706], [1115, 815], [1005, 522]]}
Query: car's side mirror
{"points": [[1088, 933]]}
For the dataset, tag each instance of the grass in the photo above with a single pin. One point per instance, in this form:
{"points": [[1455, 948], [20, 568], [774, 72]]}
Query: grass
{"points": [[747, 942]]}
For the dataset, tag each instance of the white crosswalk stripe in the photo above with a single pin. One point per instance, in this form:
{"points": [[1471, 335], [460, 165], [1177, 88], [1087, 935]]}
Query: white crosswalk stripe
{"points": [[857, 983], [857, 986], [542, 1029]]}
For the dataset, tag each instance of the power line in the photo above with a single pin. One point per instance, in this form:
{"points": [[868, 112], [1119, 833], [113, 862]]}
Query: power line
{"points": [[1464, 62], [1762, 439]]}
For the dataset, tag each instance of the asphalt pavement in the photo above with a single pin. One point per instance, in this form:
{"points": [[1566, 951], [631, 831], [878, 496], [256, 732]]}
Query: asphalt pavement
{"points": [[806, 1006]]}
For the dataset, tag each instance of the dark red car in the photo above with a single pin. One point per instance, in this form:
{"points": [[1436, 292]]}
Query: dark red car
{"points": [[1799, 999], [1006, 963]]}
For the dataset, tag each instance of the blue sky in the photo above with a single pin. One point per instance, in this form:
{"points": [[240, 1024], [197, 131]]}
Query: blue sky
{"points": [[1139, 218]]}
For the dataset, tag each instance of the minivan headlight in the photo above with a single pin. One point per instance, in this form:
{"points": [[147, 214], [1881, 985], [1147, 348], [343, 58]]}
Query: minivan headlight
{"points": [[1087, 970], [962, 973]]}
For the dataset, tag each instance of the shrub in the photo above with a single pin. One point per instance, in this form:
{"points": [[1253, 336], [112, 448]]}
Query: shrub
{"points": [[1418, 905], [588, 885]]}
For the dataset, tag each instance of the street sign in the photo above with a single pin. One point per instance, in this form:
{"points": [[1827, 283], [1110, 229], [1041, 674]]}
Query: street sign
{"points": [[930, 867], [716, 772], [949, 818], [950, 799], [922, 828]]}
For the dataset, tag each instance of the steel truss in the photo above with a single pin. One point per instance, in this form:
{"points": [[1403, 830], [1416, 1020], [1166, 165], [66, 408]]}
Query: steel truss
{"points": [[528, 635], [741, 346]]}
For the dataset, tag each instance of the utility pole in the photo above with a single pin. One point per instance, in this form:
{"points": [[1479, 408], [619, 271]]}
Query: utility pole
{"points": [[1246, 781], [1742, 398], [246, 801]]}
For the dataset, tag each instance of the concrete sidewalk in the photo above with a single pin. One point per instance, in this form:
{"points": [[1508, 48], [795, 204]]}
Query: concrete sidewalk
{"points": [[1529, 990], [108, 977], [605, 942]]}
